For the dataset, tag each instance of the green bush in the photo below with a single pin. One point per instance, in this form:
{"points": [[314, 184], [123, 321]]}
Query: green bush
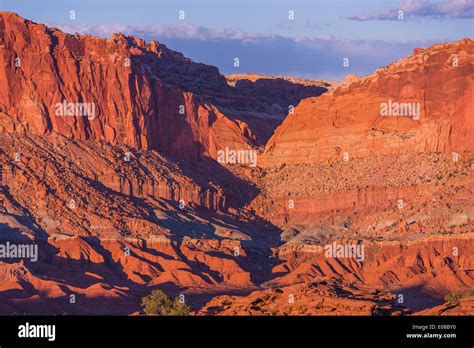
{"points": [[455, 297], [159, 303]]}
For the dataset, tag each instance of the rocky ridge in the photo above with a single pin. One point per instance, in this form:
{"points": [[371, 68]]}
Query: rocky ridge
{"points": [[132, 199]]}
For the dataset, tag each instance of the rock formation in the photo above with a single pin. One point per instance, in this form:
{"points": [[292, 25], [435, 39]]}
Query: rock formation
{"points": [[421, 103], [144, 95], [107, 166]]}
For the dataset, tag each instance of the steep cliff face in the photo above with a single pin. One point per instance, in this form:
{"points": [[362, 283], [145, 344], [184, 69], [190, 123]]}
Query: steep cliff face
{"points": [[349, 167], [119, 76], [118, 205], [133, 93], [422, 103]]}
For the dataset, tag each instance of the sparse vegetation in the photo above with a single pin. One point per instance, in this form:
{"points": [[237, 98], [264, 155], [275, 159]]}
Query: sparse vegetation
{"points": [[455, 296], [159, 303]]}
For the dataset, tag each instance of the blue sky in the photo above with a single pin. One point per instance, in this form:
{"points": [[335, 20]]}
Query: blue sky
{"points": [[260, 33]]}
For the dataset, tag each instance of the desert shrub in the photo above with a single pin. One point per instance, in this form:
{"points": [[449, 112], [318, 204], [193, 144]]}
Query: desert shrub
{"points": [[455, 296], [159, 303]]}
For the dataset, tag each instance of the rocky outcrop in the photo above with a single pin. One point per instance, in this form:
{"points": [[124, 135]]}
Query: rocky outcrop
{"points": [[405, 185], [394, 278], [325, 297], [117, 81], [101, 273], [71, 183], [117, 192], [421, 103], [275, 96], [124, 91]]}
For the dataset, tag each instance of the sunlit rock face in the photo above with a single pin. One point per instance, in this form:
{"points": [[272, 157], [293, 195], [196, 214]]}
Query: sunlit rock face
{"points": [[422, 103], [132, 168]]}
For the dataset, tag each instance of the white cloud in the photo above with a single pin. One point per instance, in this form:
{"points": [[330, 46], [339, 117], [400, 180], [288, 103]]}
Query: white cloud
{"points": [[423, 9], [183, 31], [311, 57]]}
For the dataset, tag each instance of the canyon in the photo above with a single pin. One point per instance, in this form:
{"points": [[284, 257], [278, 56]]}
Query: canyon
{"points": [[136, 198]]}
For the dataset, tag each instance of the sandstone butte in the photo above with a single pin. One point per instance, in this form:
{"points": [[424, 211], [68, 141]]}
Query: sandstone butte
{"points": [[133, 199]]}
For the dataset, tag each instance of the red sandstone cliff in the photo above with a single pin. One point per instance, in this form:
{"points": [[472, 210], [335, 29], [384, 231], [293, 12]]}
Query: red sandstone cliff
{"points": [[114, 216], [43, 67], [439, 79], [145, 95]]}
